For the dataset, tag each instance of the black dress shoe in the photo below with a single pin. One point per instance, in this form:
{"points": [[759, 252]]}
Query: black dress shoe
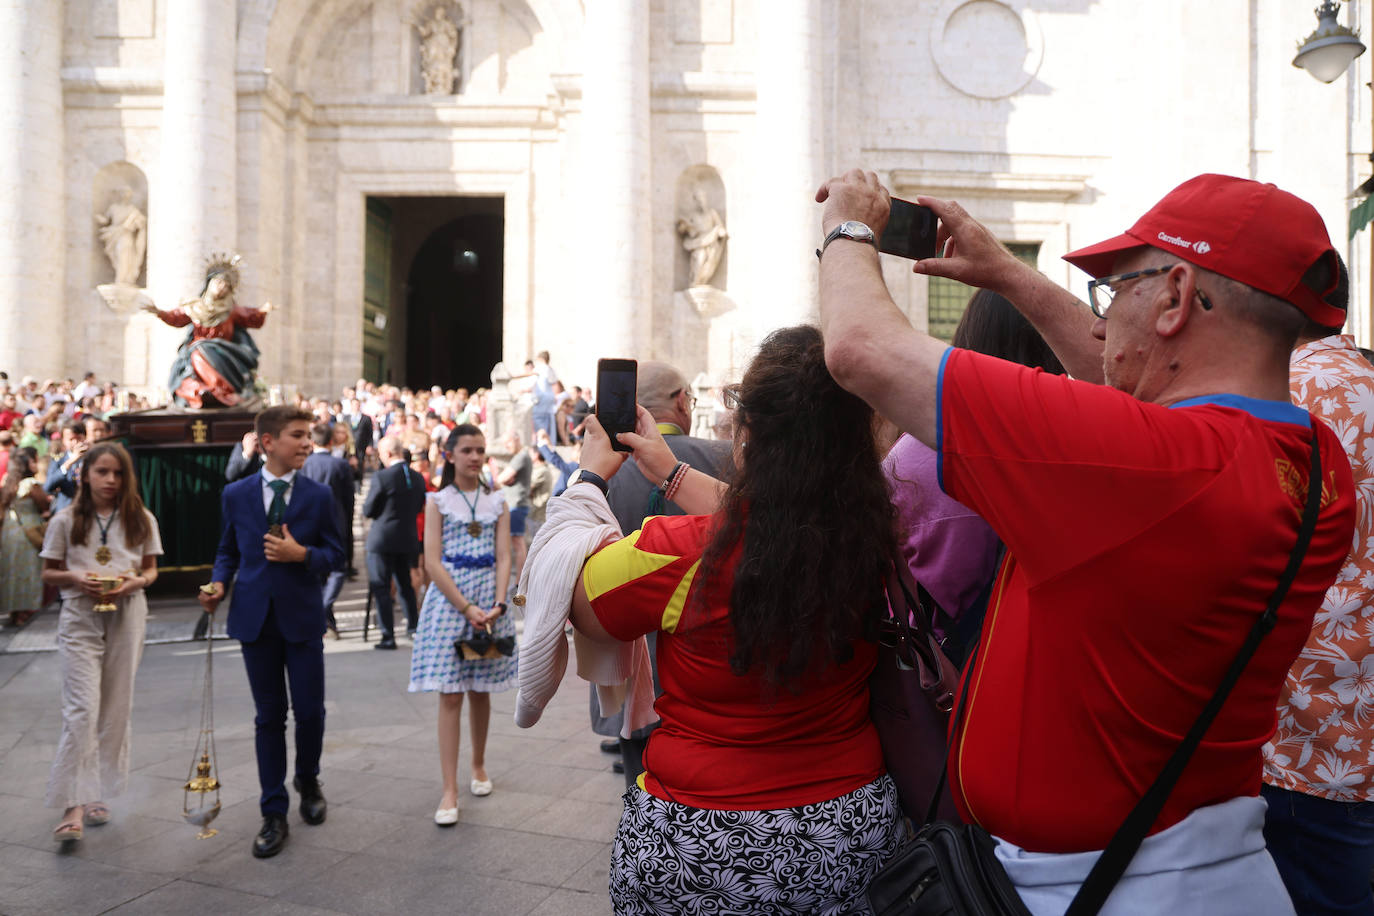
{"points": [[617, 766], [388, 643], [272, 837], [610, 746], [312, 799]]}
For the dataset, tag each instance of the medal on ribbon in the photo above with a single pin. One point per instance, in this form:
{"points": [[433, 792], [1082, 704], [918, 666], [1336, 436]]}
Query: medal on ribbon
{"points": [[102, 553]]}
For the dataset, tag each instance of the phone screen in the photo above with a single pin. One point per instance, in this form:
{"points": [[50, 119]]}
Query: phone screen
{"points": [[616, 380], [910, 231]]}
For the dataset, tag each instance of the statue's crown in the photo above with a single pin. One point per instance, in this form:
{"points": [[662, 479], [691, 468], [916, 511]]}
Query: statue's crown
{"points": [[224, 262]]}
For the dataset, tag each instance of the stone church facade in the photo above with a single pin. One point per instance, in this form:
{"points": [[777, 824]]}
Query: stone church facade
{"points": [[424, 187]]}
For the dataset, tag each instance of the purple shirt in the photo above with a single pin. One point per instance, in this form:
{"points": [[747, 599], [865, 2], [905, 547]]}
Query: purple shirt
{"points": [[948, 547]]}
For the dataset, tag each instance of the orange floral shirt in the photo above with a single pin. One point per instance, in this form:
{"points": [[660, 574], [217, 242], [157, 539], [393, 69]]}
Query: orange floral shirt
{"points": [[1324, 744]]}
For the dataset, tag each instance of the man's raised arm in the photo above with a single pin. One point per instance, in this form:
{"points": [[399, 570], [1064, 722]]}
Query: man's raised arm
{"points": [[870, 347], [973, 256]]}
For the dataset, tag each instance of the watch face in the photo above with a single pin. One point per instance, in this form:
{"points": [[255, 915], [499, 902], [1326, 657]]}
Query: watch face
{"points": [[853, 229]]}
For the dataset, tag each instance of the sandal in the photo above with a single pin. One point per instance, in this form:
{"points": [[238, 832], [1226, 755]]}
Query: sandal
{"points": [[97, 813], [69, 831]]}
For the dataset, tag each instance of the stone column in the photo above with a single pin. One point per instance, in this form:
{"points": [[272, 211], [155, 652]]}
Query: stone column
{"points": [[192, 193], [790, 130], [616, 259], [32, 190]]}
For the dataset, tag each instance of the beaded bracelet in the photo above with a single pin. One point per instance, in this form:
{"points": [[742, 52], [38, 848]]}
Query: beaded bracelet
{"points": [[674, 481]]}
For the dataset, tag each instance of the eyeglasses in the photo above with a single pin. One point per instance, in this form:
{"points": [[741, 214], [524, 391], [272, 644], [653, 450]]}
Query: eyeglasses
{"points": [[729, 396], [691, 398], [1101, 290]]}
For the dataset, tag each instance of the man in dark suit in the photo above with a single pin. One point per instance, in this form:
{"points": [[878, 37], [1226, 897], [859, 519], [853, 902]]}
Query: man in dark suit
{"points": [[280, 539], [244, 458], [393, 547], [361, 425], [334, 473], [663, 391]]}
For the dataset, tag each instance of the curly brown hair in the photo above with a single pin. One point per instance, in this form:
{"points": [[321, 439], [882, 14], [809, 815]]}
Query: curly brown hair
{"points": [[806, 526]]}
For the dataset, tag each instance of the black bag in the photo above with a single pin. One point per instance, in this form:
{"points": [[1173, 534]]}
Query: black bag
{"points": [[950, 870], [911, 694]]}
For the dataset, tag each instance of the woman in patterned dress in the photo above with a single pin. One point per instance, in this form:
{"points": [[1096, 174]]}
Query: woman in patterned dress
{"points": [[467, 554]]}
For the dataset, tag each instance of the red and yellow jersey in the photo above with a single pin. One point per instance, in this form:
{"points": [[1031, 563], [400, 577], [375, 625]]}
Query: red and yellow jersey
{"points": [[728, 741], [1143, 542]]}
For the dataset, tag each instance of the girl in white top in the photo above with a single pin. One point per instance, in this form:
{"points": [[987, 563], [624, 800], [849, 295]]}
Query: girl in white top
{"points": [[106, 531]]}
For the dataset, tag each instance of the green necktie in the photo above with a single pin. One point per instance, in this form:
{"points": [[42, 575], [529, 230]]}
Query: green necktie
{"points": [[278, 507]]}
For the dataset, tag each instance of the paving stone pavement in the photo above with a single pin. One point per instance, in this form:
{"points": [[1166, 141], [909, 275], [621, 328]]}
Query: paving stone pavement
{"points": [[539, 844]]}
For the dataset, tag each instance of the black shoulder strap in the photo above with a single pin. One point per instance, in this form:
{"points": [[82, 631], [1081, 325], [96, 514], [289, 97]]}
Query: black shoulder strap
{"points": [[1111, 865]]}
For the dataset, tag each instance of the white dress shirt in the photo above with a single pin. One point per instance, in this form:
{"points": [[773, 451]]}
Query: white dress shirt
{"points": [[267, 494]]}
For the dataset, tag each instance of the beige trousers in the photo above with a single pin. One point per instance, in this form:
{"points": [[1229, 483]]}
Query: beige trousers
{"points": [[98, 655]]}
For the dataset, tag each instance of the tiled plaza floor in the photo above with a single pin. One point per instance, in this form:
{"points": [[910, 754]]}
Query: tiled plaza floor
{"points": [[539, 844]]}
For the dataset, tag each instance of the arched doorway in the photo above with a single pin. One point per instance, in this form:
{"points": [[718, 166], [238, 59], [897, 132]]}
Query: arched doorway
{"points": [[453, 304]]}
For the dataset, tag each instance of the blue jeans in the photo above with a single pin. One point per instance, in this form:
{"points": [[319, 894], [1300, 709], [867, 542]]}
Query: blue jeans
{"points": [[543, 418], [1324, 850]]}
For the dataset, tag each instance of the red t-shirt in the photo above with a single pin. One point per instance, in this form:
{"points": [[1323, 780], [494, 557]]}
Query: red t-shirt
{"points": [[1143, 542], [728, 741]]}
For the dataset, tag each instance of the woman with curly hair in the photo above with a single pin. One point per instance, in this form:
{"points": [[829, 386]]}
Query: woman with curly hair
{"points": [[764, 789]]}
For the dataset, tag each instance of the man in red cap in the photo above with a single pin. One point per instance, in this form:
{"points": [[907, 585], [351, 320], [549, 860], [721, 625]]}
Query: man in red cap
{"points": [[1147, 522]]}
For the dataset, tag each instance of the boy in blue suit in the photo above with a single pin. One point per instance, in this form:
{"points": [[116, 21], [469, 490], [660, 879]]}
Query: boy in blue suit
{"points": [[280, 539]]}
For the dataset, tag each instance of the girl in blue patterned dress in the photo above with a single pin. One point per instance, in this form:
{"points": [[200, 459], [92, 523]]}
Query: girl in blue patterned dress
{"points": [[467, 551]]}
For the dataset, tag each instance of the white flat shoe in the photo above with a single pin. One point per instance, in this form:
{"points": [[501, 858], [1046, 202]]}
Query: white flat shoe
{"points": [[446, 817], [480, 787]]}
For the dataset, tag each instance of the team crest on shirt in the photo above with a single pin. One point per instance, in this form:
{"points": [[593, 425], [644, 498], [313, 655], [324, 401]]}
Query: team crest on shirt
{"points": [[1293, 481]]}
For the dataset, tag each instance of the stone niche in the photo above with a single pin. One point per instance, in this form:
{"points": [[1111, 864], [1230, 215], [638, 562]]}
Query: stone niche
{"points": [[107, 194], [704, 316], [422, 17], [699, 185]]}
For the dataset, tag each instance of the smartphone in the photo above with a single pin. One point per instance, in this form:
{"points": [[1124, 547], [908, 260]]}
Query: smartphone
{"points": [[910, 231], [615, 397]]}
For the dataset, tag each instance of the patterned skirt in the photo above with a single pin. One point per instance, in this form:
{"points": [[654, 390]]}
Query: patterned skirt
{"points": [[669, 858]]}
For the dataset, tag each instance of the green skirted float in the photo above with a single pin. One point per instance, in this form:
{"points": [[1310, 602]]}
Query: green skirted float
{"points": [[180, 457]]}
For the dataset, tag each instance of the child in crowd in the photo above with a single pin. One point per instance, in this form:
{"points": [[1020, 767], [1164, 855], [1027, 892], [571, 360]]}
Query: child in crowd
{"points": [[467, 557], [278, 558], [105, 532]]}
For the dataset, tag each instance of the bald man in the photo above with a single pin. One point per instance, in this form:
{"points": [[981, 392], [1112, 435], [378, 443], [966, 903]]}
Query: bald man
{"points": [[662, 390]]}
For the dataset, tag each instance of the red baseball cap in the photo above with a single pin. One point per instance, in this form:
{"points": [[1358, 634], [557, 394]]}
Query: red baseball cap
{"points": [[1253, 233]]}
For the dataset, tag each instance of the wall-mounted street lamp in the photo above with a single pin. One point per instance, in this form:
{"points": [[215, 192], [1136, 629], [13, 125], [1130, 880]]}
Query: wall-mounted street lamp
{"points": [[1328, 51], [1326, 54]]}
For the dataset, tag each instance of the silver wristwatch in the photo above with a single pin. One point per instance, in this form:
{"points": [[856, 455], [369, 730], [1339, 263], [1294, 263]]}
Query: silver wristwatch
{"points": [[849, 229]]}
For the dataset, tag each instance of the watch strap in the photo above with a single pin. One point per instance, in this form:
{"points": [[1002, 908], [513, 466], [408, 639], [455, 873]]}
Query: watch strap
{"points": [[838, 232], [582, 475]]}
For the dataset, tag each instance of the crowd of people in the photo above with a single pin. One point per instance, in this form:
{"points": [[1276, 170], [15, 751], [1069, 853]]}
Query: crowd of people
{"points": [[1140, 524]]}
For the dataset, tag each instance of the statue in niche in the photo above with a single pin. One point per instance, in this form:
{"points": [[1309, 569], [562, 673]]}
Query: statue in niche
{"points": [[124, 234], [438, 52], [703, 236], [217, 362]]}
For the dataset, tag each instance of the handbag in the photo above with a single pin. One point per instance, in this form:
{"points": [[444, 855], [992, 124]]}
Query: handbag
{"points": [[911, 694], [482, 644], [951, 870]]}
